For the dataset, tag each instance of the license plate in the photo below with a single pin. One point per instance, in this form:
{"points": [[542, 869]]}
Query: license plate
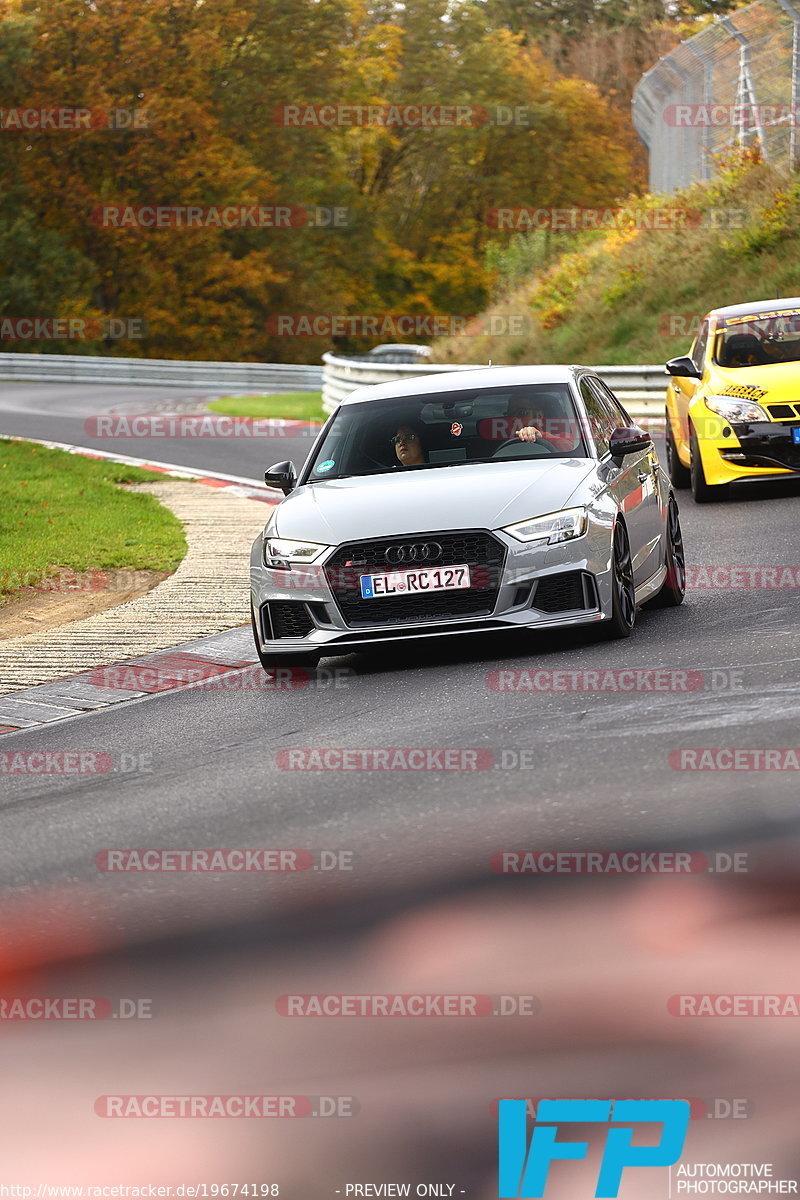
{"points": [[414, 583], [796, 435]]}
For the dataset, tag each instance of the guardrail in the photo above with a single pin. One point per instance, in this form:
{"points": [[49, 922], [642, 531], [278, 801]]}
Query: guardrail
{"points": [[161, 372], [641, 389]]}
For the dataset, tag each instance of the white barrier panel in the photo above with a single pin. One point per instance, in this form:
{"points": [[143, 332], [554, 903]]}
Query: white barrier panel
{"points": [[641, 389]]}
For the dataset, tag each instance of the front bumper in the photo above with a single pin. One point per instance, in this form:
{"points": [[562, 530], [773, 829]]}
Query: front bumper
{"points": [[751, 450], [766, 444], [297, 611]]}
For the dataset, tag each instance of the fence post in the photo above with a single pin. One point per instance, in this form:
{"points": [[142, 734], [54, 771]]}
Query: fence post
{"points": [[790, 9], [745, 91]]}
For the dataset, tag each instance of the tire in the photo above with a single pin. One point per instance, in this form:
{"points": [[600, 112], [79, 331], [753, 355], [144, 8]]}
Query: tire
{"points": [[673, 590], [703, 492], [278, 662], [623, 593], [680, 476]]}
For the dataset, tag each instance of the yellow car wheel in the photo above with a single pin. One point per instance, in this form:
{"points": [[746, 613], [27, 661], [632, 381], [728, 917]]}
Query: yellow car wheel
{"points": [[703, 492], [680, 476]]}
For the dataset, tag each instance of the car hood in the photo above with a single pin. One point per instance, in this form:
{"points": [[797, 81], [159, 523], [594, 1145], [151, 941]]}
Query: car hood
{"points": [[478, 496], [778, 381]]}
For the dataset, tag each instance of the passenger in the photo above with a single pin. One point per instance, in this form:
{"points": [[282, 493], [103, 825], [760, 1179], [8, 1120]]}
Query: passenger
{"points": [[408, 447]]}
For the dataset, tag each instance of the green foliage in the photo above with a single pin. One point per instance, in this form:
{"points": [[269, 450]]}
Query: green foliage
{"points": [[699, 8], [625, 286], [572, 17], [770, 226], [637, 297], [511, 263]]}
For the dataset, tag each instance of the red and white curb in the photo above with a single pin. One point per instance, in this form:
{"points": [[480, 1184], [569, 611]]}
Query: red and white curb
{"points": [[250, 489], [220, 661]]}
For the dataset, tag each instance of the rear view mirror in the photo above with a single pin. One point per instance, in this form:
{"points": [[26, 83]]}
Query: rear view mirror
{"points": [[628, 439], [684, 367], [281, 475]]}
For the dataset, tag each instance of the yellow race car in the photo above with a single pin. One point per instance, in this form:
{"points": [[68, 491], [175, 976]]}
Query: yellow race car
{"points": [[733, 402]]}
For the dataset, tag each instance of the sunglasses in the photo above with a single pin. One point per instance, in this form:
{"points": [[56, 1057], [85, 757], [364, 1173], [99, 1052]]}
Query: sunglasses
{"points": [[403, 437]]}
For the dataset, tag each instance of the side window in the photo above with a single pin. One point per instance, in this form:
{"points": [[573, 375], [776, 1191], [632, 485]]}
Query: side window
{"points": [[698, 352], [600, 422], [612, 404]]}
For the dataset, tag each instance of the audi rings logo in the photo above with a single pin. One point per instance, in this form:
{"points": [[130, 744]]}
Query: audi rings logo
{"points": [[416, 552]]}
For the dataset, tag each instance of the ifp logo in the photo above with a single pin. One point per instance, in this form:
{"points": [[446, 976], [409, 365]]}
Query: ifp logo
{"points": [[522, 1179]]}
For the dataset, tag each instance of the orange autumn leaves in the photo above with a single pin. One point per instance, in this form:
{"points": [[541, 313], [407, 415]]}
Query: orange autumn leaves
{"points": [[206, 81]]}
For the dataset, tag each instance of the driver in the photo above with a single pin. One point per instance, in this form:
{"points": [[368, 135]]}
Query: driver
{"points": [[407, 442], [534, 423]]}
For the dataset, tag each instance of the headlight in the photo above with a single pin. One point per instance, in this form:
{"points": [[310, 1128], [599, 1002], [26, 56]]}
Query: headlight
{"points": [[279, 552], [555, 527], [733, 409]]}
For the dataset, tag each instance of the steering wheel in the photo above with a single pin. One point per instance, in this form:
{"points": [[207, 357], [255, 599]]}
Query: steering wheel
{"points": [[376, 462], [519, 442]]}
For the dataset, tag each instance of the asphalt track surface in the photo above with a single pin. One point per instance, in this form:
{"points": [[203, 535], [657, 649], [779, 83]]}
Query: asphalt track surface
{"points": [[597, 767], [64, 412]]}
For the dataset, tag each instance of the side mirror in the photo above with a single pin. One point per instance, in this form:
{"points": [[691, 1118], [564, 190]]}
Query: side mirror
{"points": [[628, 439], [684, 367], [281, 475]]}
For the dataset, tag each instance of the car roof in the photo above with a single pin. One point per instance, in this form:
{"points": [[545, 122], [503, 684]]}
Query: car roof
{"points": [[756, 306], [456, 381]]}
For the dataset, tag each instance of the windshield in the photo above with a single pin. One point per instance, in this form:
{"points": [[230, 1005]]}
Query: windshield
{"points": [[405, 433], [759, 341]]}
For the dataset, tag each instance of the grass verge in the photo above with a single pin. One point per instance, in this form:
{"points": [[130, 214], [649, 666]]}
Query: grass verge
{"points": [[63, 510], [297, 406]]}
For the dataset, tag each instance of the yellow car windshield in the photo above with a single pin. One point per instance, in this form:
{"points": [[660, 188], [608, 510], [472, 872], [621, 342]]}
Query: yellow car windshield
{"points": [[753, 341]]}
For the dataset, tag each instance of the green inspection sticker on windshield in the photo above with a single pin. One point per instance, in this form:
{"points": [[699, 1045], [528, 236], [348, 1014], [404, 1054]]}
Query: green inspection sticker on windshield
{"points": [[325, 466]]}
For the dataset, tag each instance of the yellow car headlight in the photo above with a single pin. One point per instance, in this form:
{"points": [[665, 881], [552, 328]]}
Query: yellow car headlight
{"points": [[733, 409]]}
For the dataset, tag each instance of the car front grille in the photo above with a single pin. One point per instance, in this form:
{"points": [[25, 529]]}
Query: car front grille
{"points": [[783, 412], [482, 552], [286, 619], [765, 445]]}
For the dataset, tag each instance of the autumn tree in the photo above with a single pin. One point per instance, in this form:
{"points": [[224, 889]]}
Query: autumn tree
{"points": [[213, 79]]}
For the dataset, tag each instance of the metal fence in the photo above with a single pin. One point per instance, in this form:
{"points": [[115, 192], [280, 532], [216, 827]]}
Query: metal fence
{"points": [[159, 372], [641, 389], [736, 83]]}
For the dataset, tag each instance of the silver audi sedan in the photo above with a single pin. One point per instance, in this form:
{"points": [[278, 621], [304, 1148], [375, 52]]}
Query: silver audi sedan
{"points": [[471, 501]]}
